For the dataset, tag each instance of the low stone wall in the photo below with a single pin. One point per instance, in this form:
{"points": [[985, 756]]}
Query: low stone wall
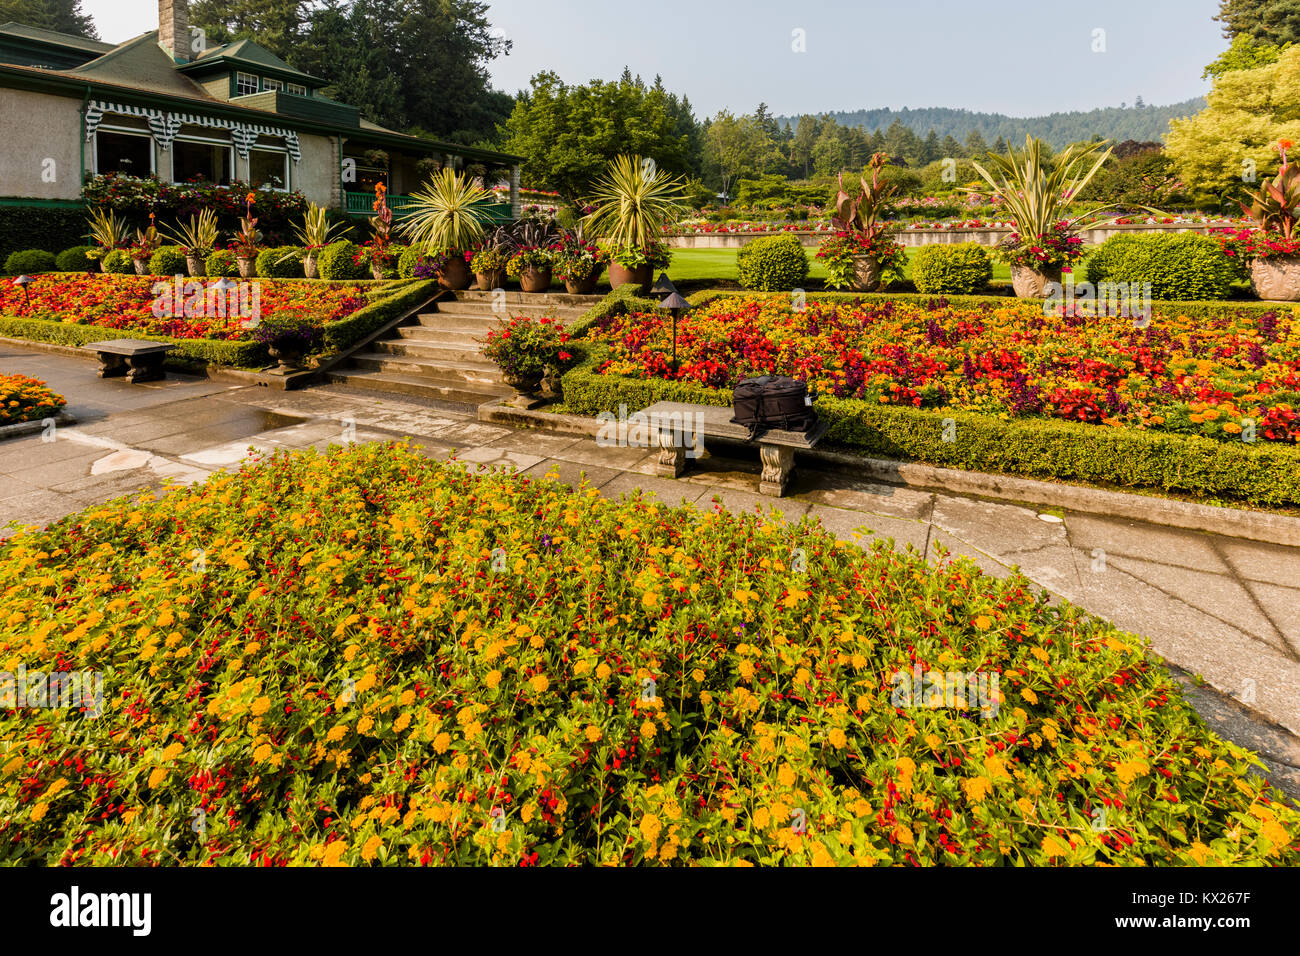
{"points": [[916, 237]]}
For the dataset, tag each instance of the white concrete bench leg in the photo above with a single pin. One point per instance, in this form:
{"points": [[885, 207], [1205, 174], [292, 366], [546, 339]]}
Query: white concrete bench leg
{"points": [[672, 456], [778, 464]]}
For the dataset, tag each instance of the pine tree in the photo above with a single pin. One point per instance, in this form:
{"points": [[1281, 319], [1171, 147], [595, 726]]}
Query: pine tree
{"points": [[61, 16]]}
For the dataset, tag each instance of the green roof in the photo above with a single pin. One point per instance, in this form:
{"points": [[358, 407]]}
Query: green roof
{"points": [[54, 38], [143, 64], [248, 54]]}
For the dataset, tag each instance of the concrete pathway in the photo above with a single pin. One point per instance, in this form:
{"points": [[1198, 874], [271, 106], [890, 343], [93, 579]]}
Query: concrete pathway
{"points": [[1224, 612]]}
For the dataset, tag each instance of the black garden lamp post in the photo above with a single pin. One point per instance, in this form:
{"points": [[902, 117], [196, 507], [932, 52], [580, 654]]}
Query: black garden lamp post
{"points": [[674, 303], [23, 282]]}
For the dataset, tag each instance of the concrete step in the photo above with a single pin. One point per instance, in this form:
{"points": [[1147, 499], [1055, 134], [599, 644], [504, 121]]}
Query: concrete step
{"points": [[425, 335], [458, 373], [477, 324], [527, 299], [414, 386], [455, 353]]}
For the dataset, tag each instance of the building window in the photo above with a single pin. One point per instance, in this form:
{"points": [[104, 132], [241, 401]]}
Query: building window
{"points": [[298, 88], [271, 83], [245, 83], [118, 151], [205, 160], [268, 168]]}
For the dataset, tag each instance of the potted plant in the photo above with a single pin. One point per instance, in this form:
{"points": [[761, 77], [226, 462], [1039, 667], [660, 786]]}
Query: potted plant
{"points": [[247, 241], [489, 266], [315, 233], [288, 338], [146, 244], [1035, 194], [447, 217], [579, 263], [633, 203], [1271, 252], [525, 349], [862, 255], [107, 232], [532, 266], [197, 239]]}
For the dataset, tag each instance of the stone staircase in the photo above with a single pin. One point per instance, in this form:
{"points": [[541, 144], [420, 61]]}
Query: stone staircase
{"points": [[435, 355]]}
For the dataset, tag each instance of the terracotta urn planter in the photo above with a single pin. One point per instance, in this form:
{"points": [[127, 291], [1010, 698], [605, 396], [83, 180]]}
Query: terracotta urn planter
{"points": [[621, 275], [309, 265], [246, 266], [535, 280], [141, 266], [454, 274], [1033, 283], [487, 281], [1276, 278], [196, 265], [582, 286], [866, 273]]}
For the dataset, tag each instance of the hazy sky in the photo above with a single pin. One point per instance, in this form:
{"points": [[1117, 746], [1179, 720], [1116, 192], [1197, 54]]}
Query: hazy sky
{"points": [[858, 53]]}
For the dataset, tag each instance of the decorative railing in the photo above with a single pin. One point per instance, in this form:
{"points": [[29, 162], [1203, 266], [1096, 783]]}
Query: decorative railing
{"points": [[362, 204]]}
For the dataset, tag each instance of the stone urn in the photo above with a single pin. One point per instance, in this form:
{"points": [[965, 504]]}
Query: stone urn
{"points": [[246, 264], [535, 280], [642, 275], [1276, 278], [866, 273], [526, 386], [196, 265], [454, 274], [1033, 283], [288, 353], [377, 270], [309, 265], [487, 281], [141, 266]]}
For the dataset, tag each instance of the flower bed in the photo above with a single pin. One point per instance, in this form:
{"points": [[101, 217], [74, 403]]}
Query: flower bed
{"points": [[377, 658], [27, 399], [1213, 377], [128, 303]]}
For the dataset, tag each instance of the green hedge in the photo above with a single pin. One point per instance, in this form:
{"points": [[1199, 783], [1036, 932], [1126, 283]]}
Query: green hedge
{"points": [[961, 268], [73, 259], [1259, 473], [335, 262], [118, 262], [1180, 265], [626, 298], [345, 333], [222, 264], [168, 261], [773, 264], [52, 228], [280, 262], [29, 262], [187, 354]]}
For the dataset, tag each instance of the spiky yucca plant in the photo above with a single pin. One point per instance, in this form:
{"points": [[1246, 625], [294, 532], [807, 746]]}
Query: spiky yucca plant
{"points": [[198, 237], [107, 230], [447, 213], [634, 201]]}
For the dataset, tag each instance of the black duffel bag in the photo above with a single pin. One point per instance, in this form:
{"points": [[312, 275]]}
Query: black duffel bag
{"points": [[773, 401]]}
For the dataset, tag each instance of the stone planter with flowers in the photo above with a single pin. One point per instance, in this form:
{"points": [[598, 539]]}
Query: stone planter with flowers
{"points": [[526, 349], [1270, 252]]}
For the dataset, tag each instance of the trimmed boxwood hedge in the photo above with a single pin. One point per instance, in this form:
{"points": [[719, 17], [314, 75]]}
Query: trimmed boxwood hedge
{"points": [[222, 264], [939, 268], [73, 259], [1259, 473], [118, 262], [168, 261], [29, 262], [335, 262], [346, 332], [1181, 265], [773, 264], [280, 262], [188, 352], [52, 228]]}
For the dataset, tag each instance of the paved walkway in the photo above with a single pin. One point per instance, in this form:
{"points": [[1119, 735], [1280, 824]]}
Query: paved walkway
{"points": [[1222, 608]]}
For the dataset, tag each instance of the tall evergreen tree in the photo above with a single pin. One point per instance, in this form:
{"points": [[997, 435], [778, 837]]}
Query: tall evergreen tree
{"points": [[1264, 21], [61, 16], [976, 147]]}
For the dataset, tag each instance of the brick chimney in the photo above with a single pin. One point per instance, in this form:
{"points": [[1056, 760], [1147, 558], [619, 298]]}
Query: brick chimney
{"points": [[174, 29]]}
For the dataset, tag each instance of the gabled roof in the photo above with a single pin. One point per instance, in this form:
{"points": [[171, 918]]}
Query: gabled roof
{"points": [[143, 64], [54, 38], [248, 54]]}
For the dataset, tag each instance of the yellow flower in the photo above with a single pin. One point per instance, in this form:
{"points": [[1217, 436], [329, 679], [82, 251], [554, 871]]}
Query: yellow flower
{"points": [[38, 811], [603, 671], [334, 853], [786, 775], [260, 706], [593, 733], [262, 753], [172, 751], [647, 729], [442, 742], [1055, 846], [837, 738], [650, 827], [158, 776], [539, 683], [493, 678], [371, 848], [976, 788]]}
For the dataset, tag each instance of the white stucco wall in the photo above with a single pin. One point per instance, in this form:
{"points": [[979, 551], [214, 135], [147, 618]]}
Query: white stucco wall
{"points": [[40, 149], [316, 176]]}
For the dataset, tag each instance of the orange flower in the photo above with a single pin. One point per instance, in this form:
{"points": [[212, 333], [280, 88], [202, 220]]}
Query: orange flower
{"points": [[380, 189], [250, 197], [1284, 143]]}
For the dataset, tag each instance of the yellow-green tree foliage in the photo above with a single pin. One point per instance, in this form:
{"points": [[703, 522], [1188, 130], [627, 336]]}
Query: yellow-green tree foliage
{"points": [[1248, 111]]}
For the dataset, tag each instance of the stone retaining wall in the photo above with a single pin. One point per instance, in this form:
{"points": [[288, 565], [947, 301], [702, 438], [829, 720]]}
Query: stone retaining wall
{"points": [[916, 237]]}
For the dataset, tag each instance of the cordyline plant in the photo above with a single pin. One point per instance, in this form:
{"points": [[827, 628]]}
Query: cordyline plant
{"points": [[448, 213], [634, 201], [107, 232], [198, 237], [316, 231], [1275, 206], [861, 214]]}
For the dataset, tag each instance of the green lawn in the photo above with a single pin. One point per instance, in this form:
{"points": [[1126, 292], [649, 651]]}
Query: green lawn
{"points": [[696, 264]]}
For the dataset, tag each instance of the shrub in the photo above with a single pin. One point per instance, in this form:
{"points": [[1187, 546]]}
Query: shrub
{"points": [[960, 269], [733, 736], [167, 261], [280, 262], [30, 262], [1180, 265], [51, 227], [27, 399], [73, 259], [336, 261], [773, 264], [222, 264], [392, 268], [118, 262], [407, 261]]}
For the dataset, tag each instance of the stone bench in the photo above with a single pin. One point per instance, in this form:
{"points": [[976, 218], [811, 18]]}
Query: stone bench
{"points": [[138, 359], [680, 430]]}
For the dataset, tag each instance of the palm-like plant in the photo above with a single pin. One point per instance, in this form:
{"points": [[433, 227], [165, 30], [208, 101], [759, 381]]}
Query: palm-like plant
{"points": [[861, 214], [316, 231], [634, 201], [1275, 207], [107, 230], [447, 214], [198, 237], [1034, 195]]}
